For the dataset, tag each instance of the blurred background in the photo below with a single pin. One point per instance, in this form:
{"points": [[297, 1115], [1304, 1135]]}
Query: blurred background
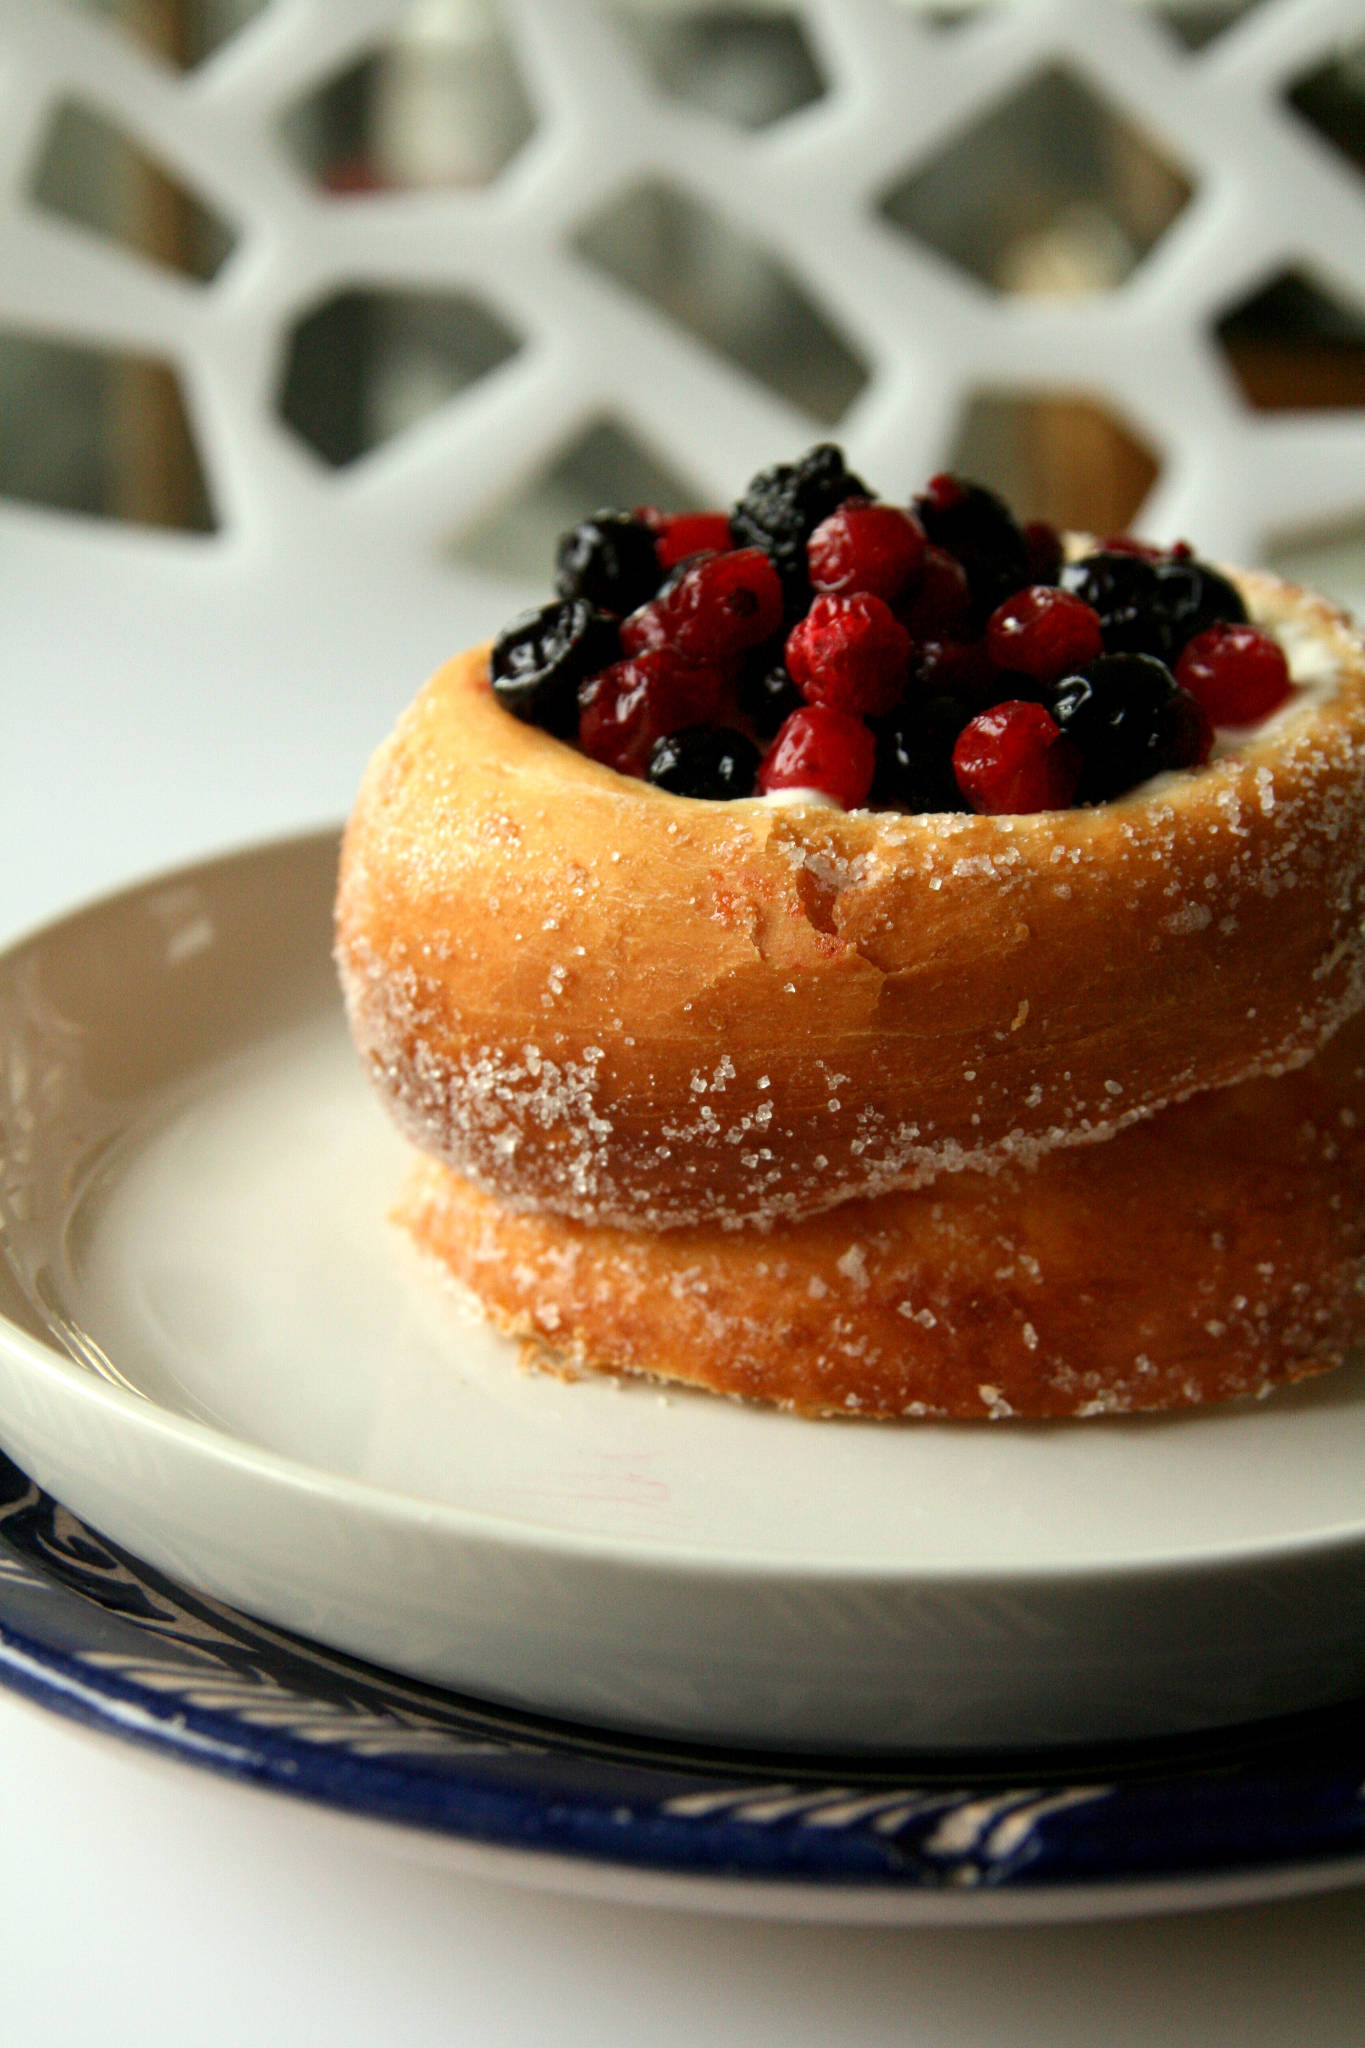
{"points": [[1053, 193]]}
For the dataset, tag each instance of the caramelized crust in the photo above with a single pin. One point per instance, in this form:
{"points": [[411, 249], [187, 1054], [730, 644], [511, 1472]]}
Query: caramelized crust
{"points": [[1217, 1249], [593, 998]]}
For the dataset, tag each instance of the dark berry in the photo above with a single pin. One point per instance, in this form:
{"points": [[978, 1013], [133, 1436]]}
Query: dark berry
{"points": [[1045, 551], [1014, 758], [957, 668], [866, 546], [850, 653], [765, 692], [915, 754], [1191, 732], [1121, 717], [680, 534], [540, 659], [940, 605], [978, 528], [822, 750], [712, 608], [1236, 673], [610, 560], [627, 707], [1043, 632], [782, 508], [1193, 597], [710, 761], [1120, 585]]}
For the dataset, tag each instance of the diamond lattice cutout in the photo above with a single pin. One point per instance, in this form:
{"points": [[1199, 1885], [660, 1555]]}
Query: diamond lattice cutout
{"points": [[748, 66], [1296, 346], [1057, 456], [365, 365], [1332, 98], [92, 173], [182, 36], [723, 288], [1015, 198]]}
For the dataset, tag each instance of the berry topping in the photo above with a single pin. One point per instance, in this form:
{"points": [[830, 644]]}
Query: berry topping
{"points": [[971, 523], [866, 546], [1236, 673], [1043, 632], [539, 661], [628, 706], [766, 693], [782, 508], [915, 754], [824, 750], [710, 761], [1121, 716], [711, 608], [1192, 597], [1015, 758], [686, 533], [1120, 585], [1045, 551], [610, 560], [940, 606], [850, 653], [957, 668], [1191, 732]]}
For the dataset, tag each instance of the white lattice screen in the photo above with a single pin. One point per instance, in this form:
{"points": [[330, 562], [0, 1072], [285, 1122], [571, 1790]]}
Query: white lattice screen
{"points": [[341, 577]]}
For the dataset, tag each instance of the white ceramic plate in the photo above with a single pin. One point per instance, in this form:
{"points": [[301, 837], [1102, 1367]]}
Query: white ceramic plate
{"points": [[217, 1350]]}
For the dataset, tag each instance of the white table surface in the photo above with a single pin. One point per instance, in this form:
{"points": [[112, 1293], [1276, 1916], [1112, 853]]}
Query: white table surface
{"points": [[144, 1902]]}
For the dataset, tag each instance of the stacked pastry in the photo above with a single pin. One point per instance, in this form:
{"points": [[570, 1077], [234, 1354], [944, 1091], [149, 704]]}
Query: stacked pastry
{"points": [[1048, 1104]]}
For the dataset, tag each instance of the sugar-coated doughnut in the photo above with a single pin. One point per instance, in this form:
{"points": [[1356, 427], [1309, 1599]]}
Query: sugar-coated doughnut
{"points": [[1215, 1250], [595, 999]]}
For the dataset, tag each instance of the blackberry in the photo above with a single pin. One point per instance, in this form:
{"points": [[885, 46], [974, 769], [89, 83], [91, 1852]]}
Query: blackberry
{"points": [[782, 508], [915, 754], [973, 524], [1123, 714], [709, 761], [611, 560], [540, 659]]}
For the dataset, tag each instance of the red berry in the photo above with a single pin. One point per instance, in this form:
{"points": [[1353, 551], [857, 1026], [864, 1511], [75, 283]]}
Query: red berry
{"points": [[866, 546], [624, 709], [1237, 673], [1043, 632], [1015, 758], [956, 668], [717, 607], [818, 748], [1043, 544], [689, 533], [940, 607], [850, 653], [1191, 732]]}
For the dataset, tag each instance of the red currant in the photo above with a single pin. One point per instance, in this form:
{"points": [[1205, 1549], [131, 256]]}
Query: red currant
{"points": [[850, 653], [680, 534], [1237, 673], [1043, 632], [711, 610], [819, 748], [624, 709], [1015, 758], [866, 546]]}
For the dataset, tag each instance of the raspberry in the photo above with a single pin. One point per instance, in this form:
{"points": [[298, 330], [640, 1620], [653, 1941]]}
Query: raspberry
{"points": [[680, 534], [540, 659], [1236, 673], [850, 653], [711, 609], [610, 560], [865, 546], [1015, 758], [1043, 632], [940, 606], [625, 709], [709, 761], [825, 750]]}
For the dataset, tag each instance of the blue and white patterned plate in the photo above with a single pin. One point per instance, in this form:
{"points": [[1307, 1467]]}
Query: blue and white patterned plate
{"points": [[87, 1630]]}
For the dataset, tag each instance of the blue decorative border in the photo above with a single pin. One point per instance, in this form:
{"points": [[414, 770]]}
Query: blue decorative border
{"points": [[87, 1630]]}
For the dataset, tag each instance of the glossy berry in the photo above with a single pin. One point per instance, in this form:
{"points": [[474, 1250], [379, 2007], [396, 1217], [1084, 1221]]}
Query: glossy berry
{"points": [[866, 546], [711, 609], [1014, 758], [1043, 632], [977, 527], [1120, 586], [680, 534], [709, 761], [1236, 673], [540, 659], [915, 754], [610, 560], [627, 707], [782, 508], [850, 653], [823, 750], [1192, 597], [1121, 716], [939, 607]]}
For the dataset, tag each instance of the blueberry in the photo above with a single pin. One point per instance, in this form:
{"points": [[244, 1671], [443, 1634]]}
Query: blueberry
{"points": [[1123, 715], [782, 508], [708, 761], [1191, 597], [610, 560], [540, 659], [915, 754], [1124, 590]]}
